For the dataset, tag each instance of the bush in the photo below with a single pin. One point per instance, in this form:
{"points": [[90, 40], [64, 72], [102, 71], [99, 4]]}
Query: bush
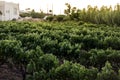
{"points": [[107, 73], [10, 48], [60, 17], [37, 15], [25, 15], [50, 18], [47, 62], [41, 69], [81, 22], [74, 71]]}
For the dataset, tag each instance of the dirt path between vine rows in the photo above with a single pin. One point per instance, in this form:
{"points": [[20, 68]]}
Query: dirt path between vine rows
{"points": [[6, 73]]}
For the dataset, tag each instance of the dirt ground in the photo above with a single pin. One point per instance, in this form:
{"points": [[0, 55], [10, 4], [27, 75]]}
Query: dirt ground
{"points": [[7, 73]]}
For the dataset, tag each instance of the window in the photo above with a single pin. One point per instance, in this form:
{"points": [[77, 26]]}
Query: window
{"points": [[15, 11], [0, 12]]}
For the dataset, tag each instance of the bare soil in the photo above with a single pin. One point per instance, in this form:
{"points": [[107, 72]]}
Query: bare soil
{"points": [[7, 73]]}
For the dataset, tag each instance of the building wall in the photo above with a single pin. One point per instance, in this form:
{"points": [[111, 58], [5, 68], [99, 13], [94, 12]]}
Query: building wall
{"points": [[9, 11], [2, 8]]}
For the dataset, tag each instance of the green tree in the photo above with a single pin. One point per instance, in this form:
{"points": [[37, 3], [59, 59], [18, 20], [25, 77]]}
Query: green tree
{"points": [[72, 12], [68, 10]]}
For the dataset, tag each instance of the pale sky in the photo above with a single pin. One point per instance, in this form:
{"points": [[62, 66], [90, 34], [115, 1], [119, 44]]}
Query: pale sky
{"points": [[59, 5]]}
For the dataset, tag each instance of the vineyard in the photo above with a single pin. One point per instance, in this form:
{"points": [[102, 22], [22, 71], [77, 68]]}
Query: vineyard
{"points": [[61, 50]]}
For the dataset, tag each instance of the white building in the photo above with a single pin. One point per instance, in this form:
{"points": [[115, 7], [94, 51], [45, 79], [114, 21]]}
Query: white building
{"points": [[9, 11]]}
